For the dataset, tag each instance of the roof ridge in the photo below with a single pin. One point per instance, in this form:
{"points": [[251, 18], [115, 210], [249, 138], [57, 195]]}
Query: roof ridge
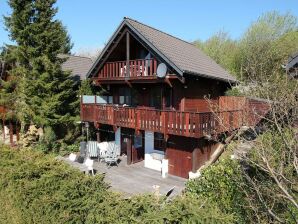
{"points": [[78, 56], [127, 18]]}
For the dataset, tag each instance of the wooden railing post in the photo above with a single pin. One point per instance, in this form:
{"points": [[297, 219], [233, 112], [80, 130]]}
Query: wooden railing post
{"points": [[112, 114], [187, 124], [81, 107], [137, 119], [165, 122], [95, 109]]}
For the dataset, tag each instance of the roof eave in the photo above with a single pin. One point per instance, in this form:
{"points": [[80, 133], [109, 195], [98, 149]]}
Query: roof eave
{"points": [[211, 77]]}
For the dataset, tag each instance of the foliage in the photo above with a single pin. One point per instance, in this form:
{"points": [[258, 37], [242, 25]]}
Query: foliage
{"points": [[37, 188], [274, 176], [48, 141], [234, 91], [47, 95], [221, 48], [8, 82], [86, 87], [260, 51], [266, 45], [223, 184]]}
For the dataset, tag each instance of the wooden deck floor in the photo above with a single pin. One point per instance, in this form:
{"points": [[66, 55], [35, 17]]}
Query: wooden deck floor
{"points": [[136, 179]]}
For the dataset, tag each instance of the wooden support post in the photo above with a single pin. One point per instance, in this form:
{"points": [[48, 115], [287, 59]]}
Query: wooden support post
{"points": [[98, 136], [129, 150], [127, 54], [165, 123]]}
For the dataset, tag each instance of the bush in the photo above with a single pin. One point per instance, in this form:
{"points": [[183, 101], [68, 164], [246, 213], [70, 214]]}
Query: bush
{"points": [[37, 188], [223, 184]]}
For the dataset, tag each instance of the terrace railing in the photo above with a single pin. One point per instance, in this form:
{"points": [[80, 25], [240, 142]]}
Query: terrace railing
{"points": [[189, 124]]}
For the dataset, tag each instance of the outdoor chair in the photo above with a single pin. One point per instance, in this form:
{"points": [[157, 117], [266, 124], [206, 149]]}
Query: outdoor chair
{"points": [[106, 149], [111, 159], [92, 149], [102, 148], [111, 155]]}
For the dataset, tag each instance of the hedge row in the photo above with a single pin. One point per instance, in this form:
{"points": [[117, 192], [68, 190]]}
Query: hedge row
{"points": [[37, 188]]}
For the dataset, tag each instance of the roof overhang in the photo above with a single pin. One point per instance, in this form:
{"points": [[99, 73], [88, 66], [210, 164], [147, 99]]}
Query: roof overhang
{"points": [[211, 77]]}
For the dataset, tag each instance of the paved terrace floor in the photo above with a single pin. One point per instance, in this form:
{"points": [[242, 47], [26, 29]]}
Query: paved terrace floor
{"points": [[135, 179]]}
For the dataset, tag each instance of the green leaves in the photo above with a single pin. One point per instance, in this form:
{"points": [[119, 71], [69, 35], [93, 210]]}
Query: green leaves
{"points": [[46, 93], [37, 188]]}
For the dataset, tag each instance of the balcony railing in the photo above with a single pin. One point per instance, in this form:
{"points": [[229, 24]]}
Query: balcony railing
{"points": [[138, 69], [189, 124], [231, 114]]}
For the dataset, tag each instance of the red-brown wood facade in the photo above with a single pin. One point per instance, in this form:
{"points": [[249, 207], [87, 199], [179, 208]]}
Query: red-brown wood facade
{"points": [[173, 105]]}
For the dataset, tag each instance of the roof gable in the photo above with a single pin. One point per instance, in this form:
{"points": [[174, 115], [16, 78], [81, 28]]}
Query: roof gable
{"points": [[184, 57]]}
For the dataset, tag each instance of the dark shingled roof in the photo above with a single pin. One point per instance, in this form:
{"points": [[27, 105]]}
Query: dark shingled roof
{"points": [[77, 65], [184, 57]]}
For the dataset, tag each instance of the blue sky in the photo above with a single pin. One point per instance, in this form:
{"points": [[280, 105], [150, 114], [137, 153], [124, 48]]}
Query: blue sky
{"points": [[90, 23]]}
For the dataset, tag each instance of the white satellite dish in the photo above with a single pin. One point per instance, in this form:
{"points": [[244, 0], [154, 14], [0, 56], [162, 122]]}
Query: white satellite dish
{"points": [[161, 70]]}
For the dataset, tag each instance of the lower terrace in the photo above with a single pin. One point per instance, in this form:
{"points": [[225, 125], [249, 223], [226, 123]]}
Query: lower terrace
{"points": [[135, 179]]}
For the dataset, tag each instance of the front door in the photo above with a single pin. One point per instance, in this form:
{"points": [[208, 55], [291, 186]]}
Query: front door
{"points": [[132, 145]]}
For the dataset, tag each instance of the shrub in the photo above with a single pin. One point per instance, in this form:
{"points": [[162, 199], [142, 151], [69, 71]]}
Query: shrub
{"points": [[223, 184], [37, 188]]}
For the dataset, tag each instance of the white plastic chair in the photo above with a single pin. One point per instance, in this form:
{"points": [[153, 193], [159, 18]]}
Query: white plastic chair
{"points": [[89, 164]]}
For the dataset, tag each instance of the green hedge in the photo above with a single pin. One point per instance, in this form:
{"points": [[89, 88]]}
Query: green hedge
{"points": [[223, 184], [37, 188]]}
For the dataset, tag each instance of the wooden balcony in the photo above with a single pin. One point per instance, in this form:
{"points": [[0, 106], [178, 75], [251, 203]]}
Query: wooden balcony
{"points": [[189, 124], [141, 69]]}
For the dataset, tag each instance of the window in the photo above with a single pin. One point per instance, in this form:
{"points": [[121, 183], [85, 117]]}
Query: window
{"points": [[155, 98], [168, 97], [159, 141], [125, 96], [110, 100]]}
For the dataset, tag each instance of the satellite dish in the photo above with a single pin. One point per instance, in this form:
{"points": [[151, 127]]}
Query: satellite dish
{"points": [[161, 70]]}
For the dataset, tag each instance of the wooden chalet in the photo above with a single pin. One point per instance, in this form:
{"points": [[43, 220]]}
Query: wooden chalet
{"points": [[153, 104]]}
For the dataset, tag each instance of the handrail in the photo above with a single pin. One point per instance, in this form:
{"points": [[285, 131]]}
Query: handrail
{"points": [[165, 110], [185, 123], [138, 68]]}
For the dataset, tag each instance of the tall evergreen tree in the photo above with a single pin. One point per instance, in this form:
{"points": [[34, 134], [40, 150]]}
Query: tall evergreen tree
{"points": [[47, 97], [8, 82]]}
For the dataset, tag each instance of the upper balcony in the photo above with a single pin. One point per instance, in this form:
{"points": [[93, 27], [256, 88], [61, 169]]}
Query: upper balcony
{"points": [[140, 69]]}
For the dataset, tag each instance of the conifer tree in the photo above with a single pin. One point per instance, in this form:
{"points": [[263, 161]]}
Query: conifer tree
{"points": [[8, 82], [47, 94]]}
